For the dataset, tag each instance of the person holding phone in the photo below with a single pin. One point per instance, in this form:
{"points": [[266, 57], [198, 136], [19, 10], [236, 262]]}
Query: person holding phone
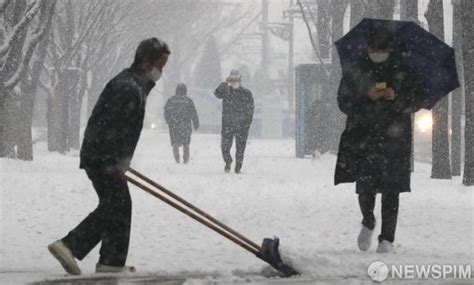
{"points": [[377, 94]]}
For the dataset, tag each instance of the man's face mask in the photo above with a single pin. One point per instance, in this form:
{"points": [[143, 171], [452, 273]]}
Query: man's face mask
{"points": [[379, 57], [154, 74], [235, 85]]}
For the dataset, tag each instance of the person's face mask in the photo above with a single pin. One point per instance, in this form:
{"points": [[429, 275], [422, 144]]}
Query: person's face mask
{"points": [[378, 57], [154, 74], [235, 85]]}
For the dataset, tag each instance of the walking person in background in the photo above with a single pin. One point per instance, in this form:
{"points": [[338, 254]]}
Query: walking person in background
{"points": [[181, 116], [237, 115], [110, 139], [378, 94]]}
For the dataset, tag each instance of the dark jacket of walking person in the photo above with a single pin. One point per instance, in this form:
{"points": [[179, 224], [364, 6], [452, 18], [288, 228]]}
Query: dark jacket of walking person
{"points": [[237, 115], [378, 97], [110, 139], [181, 116]]}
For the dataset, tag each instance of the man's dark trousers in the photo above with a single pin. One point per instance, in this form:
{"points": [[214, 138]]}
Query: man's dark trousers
{"points": [[240, 132], [185, 152], [390, 204], [109, 222]]}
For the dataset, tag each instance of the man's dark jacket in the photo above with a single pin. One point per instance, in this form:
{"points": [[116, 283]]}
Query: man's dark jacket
{"points": [[114, 127], [181, 116], [375, 147], [237, 105]]}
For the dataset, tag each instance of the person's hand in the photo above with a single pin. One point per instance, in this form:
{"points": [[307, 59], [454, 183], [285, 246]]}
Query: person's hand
{"points": [[389, 94], [376, 93], [228, 80]]}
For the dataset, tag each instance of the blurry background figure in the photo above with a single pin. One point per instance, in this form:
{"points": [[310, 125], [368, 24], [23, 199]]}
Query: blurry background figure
{"points": [[237, 115], [181, 116]]}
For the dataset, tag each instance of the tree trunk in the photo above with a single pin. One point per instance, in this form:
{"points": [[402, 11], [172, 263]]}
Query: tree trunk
{"points": [[18, 103], [10, 65], [441, 168], [52, 119], [24, 143], [75, 124], [76, 106], [338, 118], [380, 9], [457, 95], [8, 125], [357, 12], [3, 123], [58, 117], [409, 12], [93, 92], [323, 20], [468, 56]]}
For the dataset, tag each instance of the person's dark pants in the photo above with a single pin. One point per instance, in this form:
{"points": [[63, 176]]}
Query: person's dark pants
{"points": [[185, 153], [240, 132], [390, 202], [109, 222]]}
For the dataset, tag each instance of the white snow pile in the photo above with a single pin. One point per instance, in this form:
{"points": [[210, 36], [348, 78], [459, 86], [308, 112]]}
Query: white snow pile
{"points": [[276, 194]]}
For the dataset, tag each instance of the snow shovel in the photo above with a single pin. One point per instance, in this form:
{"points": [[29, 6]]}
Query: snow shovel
{"points": [[268, 251]]}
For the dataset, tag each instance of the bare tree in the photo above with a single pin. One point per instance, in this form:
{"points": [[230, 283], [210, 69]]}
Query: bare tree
{"points": [[24, 25], [189, 37], [208, 71], [457, 95], [82, 37], [409, 12], [441, 168]]}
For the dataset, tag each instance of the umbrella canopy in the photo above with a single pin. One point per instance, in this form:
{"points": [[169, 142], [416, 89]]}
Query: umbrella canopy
{"points": [[430, 57]]}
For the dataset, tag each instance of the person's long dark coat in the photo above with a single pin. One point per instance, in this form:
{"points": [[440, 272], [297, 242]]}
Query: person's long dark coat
{"points": [[375, 147], [115, 124], [237, 105], [181, 116]]}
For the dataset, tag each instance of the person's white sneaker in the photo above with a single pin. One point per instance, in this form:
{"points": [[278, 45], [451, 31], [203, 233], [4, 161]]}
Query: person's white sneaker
{"points": [[59, 250], [101, 268], [385, 247], [364, 241]]}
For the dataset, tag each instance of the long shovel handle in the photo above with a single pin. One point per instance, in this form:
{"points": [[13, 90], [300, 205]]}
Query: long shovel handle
{"points": [[194, 208], [192, 215]]}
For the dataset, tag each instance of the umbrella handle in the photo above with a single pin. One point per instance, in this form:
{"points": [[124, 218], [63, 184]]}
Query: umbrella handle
{"points": [[193, 212]]}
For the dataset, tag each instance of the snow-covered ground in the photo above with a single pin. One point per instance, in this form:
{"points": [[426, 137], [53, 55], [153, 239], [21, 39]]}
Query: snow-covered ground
{"points": [[276, 194]]}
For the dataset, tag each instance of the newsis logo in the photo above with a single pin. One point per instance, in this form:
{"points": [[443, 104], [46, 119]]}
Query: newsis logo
{"points": [[378, 271]]}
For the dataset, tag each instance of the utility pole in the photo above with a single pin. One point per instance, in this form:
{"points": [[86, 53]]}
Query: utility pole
{"points": [[265, 36], [290, 60]]}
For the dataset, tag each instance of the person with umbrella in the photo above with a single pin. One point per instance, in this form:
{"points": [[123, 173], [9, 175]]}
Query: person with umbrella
{"points": [[381, 87], [181, 116]]}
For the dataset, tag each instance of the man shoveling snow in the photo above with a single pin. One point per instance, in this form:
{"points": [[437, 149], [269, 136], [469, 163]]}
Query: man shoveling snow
{"points": [[110, 140]]}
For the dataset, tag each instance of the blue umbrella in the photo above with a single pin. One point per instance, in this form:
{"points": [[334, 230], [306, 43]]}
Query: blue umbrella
{"points": [[430, 57]]}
